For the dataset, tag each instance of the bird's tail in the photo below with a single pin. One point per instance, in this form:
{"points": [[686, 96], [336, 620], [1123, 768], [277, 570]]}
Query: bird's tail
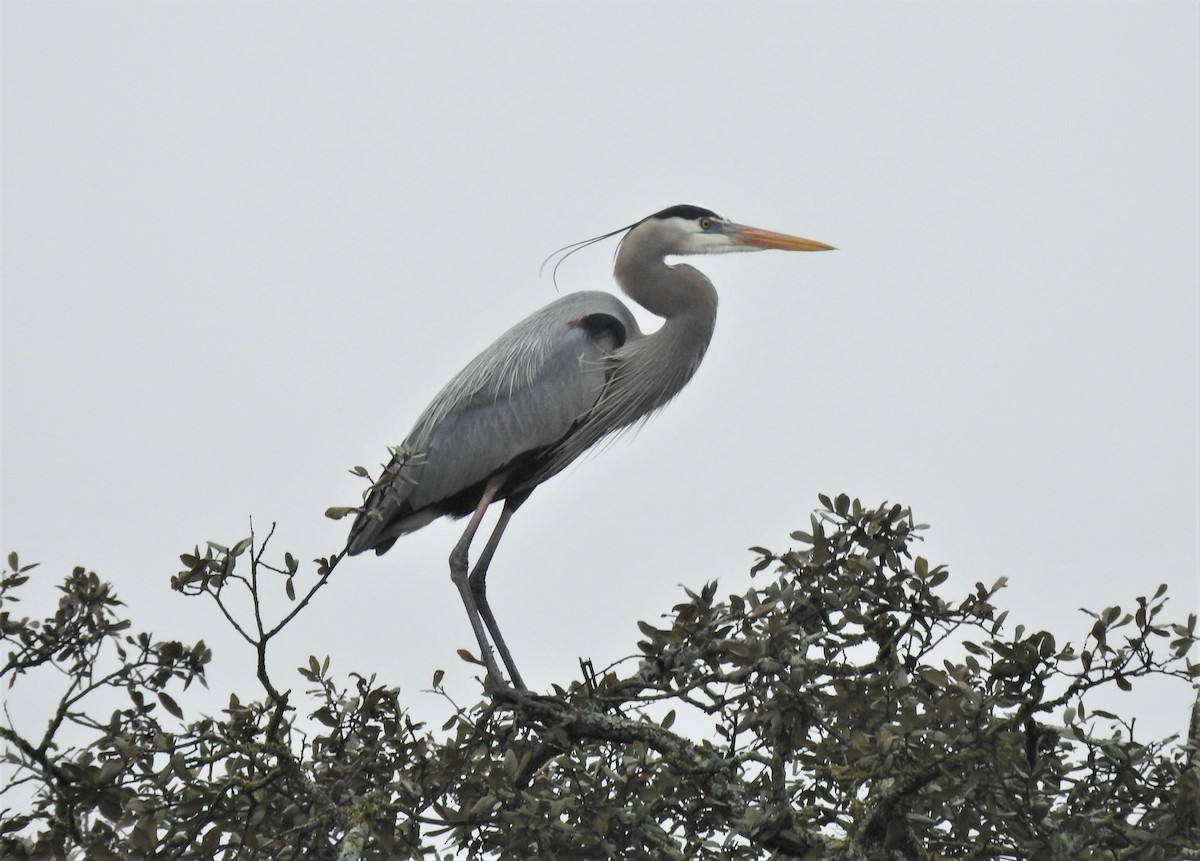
{"points": [[385, 516], [365, 532]]}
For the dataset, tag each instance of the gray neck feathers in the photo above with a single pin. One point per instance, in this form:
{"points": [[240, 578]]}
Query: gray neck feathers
{"points": [[656, 366]]}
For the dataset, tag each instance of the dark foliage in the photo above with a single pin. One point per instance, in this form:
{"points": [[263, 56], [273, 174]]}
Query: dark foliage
{"points": [[841, 706]]}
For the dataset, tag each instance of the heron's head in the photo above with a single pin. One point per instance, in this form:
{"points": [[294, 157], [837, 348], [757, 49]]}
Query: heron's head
{"points": [[688, 229], [685, 229]]}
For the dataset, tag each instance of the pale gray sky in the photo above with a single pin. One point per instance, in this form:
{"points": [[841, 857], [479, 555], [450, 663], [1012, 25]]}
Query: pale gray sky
{"points": [[244, 245]]}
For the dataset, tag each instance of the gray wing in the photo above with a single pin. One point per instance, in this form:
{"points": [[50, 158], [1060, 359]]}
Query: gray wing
{"points": [[521, 395]]}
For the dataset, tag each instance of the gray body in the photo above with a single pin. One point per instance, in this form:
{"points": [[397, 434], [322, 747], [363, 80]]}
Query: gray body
{"points": [[545, 392], [550, 388], [524, 401]]}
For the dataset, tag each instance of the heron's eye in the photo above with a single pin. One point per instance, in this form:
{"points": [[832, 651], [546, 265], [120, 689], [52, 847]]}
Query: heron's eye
{"points": [[705, 223]]}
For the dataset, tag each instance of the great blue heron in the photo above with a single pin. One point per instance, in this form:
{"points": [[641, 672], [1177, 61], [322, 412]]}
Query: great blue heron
{"points": [[549, 389]]}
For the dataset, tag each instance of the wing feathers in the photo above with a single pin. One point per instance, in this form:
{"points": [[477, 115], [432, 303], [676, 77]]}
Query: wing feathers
{"points": [[523, 394]]}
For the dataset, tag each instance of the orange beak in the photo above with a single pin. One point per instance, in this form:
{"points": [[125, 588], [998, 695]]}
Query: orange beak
{"points": [[742, 235]]}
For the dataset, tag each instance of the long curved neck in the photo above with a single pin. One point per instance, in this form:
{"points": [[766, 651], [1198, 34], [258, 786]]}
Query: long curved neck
{"points": [[682, 295], [658, 365]]}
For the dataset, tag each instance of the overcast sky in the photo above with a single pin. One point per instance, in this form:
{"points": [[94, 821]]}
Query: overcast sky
{"points": [[245, 244]]}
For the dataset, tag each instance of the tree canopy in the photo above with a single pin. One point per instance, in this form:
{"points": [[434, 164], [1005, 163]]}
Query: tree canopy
{"points": [[847, 700]]}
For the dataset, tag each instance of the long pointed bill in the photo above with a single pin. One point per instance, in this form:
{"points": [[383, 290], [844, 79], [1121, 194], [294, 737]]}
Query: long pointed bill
{"points": [[741, 235]]}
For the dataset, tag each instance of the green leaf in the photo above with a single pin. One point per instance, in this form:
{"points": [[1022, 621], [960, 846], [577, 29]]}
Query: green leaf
{"points": [[937, 678], [650, 631], [109, 805], [169, 704], [511, 763], [484, 806]]}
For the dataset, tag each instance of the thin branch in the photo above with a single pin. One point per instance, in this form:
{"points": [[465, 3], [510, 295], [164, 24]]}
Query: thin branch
{"points": [[330, 565]]}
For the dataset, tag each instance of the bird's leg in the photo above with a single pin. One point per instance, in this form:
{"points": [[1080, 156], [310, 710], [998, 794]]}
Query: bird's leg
{"points": [[458, 574], [478, 582]]}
